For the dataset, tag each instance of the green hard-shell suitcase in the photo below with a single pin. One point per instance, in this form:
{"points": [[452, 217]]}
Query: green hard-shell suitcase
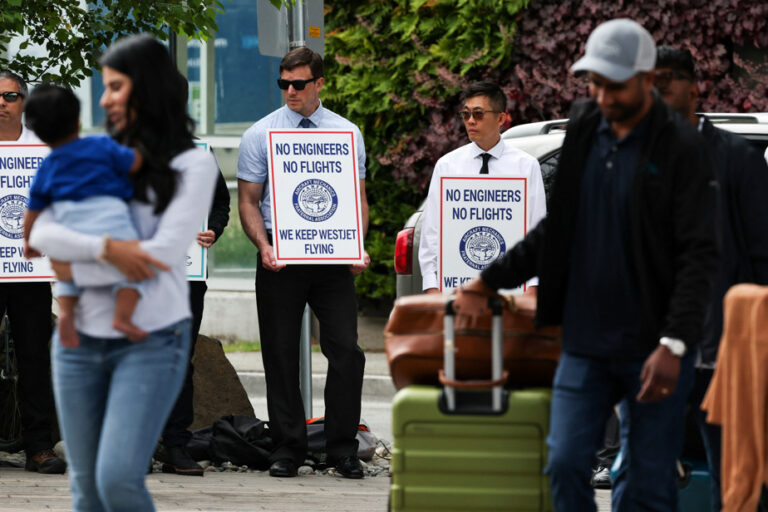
{"points": [[470, 450]]}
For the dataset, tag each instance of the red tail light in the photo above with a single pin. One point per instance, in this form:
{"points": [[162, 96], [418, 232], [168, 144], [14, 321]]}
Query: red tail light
{"points": [[404, 252]]}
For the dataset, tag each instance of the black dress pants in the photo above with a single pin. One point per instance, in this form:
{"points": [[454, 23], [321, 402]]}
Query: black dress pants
{"points": [[176, 431], [280, 297], [28, 306]]}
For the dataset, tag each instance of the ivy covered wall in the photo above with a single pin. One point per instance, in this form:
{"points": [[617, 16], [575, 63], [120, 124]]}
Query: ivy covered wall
{"points": [[396, 67]]}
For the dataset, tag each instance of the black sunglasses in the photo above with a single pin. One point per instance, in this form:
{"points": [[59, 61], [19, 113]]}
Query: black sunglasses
{"points": [[477, 113], [10, 97], [299, 85]]}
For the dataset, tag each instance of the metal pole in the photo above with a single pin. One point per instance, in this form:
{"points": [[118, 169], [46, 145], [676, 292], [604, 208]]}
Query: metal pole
{"points": [[497, 359], [305, 361], [297, 26], [449, 356]]}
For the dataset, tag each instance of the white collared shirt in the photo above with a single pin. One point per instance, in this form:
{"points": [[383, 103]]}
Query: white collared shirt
{"points": [[28, 137], [506, 160]]}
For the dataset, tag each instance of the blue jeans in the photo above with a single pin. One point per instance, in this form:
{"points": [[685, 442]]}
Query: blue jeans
{"points": [[711, 435], [113, 398], [585, 391]]}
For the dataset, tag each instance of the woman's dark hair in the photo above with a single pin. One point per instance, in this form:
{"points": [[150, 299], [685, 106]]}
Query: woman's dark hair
{"points": [[161, 128], [52, 112]]}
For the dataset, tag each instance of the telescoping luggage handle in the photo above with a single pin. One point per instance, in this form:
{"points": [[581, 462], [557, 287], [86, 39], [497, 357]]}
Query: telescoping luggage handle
{"points": [[498, 374]]}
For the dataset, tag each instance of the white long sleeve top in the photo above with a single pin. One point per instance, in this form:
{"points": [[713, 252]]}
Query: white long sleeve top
{"points": [[506, 160], [166, 237]]}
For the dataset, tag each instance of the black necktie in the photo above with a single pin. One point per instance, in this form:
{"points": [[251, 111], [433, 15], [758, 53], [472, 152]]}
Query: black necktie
{"points": [[305, 123], [484, 168]]}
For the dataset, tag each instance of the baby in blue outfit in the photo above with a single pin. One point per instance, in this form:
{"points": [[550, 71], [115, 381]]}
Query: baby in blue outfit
{"points": [[86, 183]]}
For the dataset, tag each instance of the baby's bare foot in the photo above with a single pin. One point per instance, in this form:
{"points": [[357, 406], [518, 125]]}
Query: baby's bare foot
{"points": [[131, 332]]}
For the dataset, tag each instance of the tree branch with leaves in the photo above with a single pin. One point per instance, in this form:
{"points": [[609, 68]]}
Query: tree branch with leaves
{"points": [[62, 41]]}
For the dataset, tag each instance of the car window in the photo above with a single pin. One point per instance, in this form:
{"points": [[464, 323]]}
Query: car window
{"points": [[548, 167]]}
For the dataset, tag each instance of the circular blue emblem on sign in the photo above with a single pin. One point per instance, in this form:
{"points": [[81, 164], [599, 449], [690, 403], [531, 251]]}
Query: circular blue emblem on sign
{"points": [[12, 209], [480, 246], [315, 200]]}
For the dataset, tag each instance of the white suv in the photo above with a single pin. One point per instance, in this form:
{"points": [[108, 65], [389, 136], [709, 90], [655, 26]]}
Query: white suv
{"points": [[543, 140]]}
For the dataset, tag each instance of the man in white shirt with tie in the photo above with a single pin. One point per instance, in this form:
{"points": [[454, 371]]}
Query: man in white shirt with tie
{"points": [[483, 112]]}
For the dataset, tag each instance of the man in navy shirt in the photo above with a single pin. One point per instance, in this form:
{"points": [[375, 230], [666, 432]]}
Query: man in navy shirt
{"points": [[625, 259]]}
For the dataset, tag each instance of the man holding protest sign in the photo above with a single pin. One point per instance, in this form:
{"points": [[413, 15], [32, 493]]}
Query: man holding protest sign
{"points": [[282, 290], [28, 306], [469, 222]]}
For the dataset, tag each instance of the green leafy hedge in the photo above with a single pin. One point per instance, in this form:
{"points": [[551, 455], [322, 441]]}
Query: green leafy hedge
{"points": [[390, 65], [395, 67], [73, 36]]}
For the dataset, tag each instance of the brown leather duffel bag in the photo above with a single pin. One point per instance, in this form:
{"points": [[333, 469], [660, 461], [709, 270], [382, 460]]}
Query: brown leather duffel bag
{"points": [[414, 343]]}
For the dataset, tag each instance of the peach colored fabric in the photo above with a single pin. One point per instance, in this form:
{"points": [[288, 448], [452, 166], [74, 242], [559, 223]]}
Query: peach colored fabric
{"points": [[737, 396]]}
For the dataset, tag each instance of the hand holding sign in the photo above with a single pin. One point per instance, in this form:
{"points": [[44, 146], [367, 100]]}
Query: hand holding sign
{"points": [[206, 238], [358, 268], [268, 258]]}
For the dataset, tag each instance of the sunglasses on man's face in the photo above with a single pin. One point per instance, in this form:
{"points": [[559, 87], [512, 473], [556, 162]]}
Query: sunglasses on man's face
{"points": [[10, 97], [477, 113], [299, 85]]}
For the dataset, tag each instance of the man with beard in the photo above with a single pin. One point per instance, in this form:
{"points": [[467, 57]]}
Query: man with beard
{"points": [[625, 259]]}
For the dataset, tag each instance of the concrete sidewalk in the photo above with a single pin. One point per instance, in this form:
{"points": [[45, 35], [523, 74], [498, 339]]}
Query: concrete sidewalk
{"points": [[377, 384], [21, 491]]}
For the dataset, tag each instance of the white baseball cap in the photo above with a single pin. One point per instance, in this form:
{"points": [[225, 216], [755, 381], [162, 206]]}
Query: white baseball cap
{"points": [[618, 50]]}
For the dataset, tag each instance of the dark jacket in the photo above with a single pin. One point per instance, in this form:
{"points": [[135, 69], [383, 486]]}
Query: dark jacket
{"points": [[742, 225], [672, 236], [218, 217]]}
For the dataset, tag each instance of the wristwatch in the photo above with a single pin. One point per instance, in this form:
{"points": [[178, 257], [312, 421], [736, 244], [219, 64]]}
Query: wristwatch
{"points": [[676, 346]]}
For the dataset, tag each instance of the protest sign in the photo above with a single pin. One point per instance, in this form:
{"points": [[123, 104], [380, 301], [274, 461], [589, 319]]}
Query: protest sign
{"points": [[197, 256], [18, 166], [480, 218], [314, 185]]}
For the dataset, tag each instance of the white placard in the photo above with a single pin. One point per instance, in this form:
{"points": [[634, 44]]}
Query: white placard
{"points": [[197, 259], [18, 166], [480, 219], [197, 255], [314, 185]]}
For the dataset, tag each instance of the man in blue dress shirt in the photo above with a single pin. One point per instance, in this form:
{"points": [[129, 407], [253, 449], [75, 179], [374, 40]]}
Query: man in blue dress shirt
{"points": [[282, 291]]}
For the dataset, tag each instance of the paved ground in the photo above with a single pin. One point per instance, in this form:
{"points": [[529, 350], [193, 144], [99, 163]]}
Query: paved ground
{"points": [[21, 491]]}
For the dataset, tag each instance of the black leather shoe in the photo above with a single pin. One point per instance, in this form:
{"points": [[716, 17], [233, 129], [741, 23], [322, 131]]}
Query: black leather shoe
{"points": [[601, 478], [349, 467], [45, 462], [176, 459], [285, 468]]}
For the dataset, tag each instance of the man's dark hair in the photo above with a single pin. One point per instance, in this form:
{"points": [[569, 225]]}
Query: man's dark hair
{"points": [[679, 59], [489, 89], [303, 57], [19, 81], [52, 112]]}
